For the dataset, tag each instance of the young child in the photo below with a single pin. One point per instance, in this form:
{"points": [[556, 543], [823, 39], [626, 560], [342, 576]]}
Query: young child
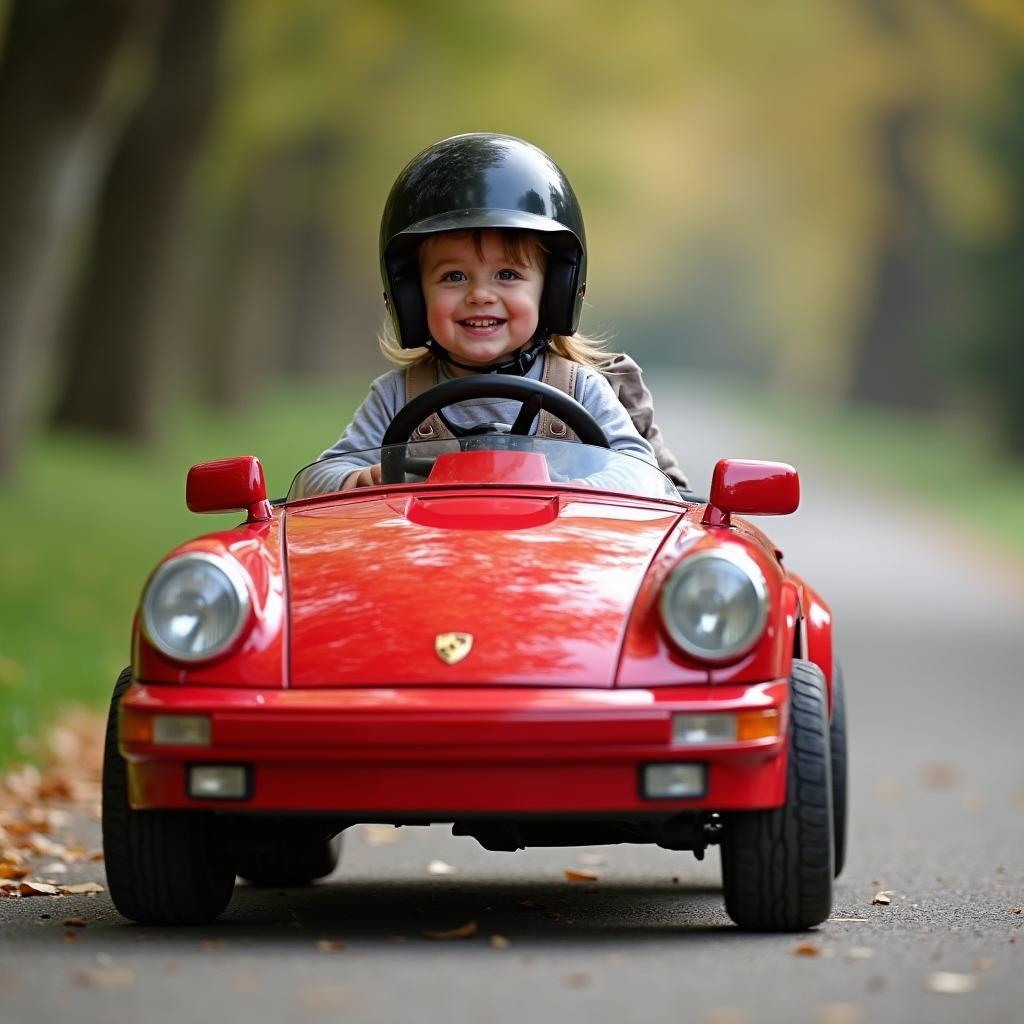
{"points": [[483, 257]]}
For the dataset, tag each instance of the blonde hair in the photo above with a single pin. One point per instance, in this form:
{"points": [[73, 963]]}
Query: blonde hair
{"points": [[523, 248]]}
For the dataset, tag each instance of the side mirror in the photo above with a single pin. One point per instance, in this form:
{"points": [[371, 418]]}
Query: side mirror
{"points": [[228, 485], [751, 487]]}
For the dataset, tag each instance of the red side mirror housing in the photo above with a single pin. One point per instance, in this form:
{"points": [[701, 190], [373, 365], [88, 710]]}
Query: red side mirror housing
{"points": [[751, 487], [228, 485]]}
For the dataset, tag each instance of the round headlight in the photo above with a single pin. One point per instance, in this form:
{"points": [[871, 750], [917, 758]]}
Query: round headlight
{"points": [[195, 606], [715, 604]]}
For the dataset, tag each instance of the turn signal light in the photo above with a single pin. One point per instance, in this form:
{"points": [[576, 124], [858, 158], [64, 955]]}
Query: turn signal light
{"points": [[757, 725]]}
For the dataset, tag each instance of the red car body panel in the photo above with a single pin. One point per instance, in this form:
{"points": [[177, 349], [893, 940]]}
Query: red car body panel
{"points": [[544, 585], [452, 750], [336, 700]]}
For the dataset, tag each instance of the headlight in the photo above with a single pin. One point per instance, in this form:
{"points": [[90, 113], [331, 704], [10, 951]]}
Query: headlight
{"points": [[195, 606], [715, 604]]}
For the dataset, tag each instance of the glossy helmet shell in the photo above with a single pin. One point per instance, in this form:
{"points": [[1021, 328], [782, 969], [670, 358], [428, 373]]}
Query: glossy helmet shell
{"points": [[482, 180]]}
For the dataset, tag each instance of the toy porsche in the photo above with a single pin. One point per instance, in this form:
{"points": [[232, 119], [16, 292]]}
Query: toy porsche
{"points": [[541, 642]]}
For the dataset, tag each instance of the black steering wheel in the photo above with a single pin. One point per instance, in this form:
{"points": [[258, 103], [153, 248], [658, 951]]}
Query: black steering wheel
{"points": [[533, 394]]}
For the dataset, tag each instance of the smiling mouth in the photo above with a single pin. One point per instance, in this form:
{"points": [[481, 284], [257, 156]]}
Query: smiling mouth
{"points": [[482, 323]]}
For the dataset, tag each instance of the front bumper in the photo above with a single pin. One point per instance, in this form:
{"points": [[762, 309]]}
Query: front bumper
{"points": [[434, 753]]}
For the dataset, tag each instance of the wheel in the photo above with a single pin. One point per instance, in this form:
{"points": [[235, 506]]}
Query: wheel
{"points": [[163, 867], [297, 864], [840, 785], [533, 394], [777, 864]]}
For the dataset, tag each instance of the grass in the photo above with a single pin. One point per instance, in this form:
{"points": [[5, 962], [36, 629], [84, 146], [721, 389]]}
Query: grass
{"points": [[87, 521]]}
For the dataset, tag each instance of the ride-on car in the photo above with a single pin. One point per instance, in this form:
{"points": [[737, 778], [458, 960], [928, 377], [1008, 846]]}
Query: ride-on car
{"points": [[539, 641]]}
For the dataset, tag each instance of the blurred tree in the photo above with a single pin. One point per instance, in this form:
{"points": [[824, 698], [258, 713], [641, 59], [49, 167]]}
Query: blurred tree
{"points": [[120, 346], [59, 105]]}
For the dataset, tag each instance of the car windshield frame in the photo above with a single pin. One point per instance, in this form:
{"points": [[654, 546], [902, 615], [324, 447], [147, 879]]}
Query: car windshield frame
{"points": [[571, 465]]}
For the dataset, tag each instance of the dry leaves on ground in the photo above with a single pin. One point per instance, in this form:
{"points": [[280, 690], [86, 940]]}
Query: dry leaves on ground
{"points": [[577, 875], [464, 931], [883, 898], [36, 810]]}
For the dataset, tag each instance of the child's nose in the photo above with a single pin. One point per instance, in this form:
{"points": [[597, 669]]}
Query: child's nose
{"points": [[481, 291]]}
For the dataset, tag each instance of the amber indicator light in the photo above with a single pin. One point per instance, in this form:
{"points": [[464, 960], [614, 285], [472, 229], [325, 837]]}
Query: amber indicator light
{"points": [[757, 725]]}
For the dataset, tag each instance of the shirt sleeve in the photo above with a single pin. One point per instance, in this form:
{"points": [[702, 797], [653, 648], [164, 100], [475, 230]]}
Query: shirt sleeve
{"points": [[595, 394]]}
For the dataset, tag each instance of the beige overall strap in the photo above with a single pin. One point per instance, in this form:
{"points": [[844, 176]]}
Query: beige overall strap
{"points": [[560, 373], [422, 377]]}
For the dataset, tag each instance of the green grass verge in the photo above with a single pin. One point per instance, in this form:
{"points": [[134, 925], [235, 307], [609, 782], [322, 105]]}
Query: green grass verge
{"points": [[85, 523]]}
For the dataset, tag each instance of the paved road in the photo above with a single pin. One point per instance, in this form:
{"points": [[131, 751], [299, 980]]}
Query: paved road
{"points": [[930, 625]]}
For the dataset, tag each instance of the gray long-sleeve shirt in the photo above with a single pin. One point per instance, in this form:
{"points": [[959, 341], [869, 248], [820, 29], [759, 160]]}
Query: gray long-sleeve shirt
{"points": [[355, 449]]}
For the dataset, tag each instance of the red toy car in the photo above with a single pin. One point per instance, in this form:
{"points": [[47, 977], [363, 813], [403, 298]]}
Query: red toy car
{"points": [[539, 641]]}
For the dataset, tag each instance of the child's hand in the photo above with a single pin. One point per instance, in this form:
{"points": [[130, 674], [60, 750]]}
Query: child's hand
{"points": [[368, 477]]}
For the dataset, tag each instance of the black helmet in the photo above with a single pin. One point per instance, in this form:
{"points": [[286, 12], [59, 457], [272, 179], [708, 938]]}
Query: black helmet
{"points": [[482, 181]]}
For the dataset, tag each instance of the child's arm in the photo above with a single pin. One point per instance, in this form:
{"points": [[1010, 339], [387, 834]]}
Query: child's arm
{"points": [[627, 382]]}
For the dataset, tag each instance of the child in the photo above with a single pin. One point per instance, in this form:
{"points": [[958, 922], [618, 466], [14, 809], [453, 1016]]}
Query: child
{"points": [[483, 257]]}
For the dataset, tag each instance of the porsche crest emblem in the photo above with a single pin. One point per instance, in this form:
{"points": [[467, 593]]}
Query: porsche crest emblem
{"points": [[453, 647]]}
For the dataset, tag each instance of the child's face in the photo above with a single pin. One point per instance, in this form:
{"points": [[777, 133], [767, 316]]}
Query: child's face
{"points": [[480, 305]]}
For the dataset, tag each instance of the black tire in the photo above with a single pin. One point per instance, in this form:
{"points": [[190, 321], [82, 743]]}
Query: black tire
{"points": [[297, 864], [163, 867], [777, 864], [840, 783]]}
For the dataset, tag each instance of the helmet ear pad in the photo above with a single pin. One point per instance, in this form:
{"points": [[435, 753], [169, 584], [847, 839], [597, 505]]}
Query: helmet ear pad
{"points": [[562, 298], [406, 302]]}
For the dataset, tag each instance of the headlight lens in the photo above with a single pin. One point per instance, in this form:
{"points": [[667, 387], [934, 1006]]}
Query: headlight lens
{"points": [[715, 604], [195, 606]]}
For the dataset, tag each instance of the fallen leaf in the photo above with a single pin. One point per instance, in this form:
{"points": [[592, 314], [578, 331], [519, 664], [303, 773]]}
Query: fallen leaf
{"points": [[939, 774], [439, 867], [74, 922], [806, 949], [984, 963], [31, 888], [379, 835], [80, 887], [726, 1015], [499, 942], [71, 936], [950, 984], [464, 931], [14, 871], [883, 898], [1015, 910], [106, 979], [840, 1013], [95, 855], [330, 997], [330, 946], [575, 875]]}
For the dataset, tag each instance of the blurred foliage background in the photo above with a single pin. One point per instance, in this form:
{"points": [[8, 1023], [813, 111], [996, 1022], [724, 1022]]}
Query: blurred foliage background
{"points": [[823, 199]]}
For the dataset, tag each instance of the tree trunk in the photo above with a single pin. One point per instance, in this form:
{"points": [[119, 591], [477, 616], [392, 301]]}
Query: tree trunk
{"points": [[121, 354], [54, 84], [893, 365]]}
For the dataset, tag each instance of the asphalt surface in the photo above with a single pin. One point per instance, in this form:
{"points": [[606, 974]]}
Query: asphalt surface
{"points": [[929, 627]]}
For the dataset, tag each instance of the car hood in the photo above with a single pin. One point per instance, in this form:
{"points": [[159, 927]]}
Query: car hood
{"points": [[543, 585]]}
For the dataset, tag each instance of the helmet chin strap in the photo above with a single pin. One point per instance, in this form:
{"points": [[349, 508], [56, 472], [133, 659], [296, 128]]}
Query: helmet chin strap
{"points": [[519, 365]]}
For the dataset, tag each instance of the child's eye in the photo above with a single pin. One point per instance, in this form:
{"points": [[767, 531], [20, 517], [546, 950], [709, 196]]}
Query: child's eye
{"points": [[508, 275], [454, 275]]}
